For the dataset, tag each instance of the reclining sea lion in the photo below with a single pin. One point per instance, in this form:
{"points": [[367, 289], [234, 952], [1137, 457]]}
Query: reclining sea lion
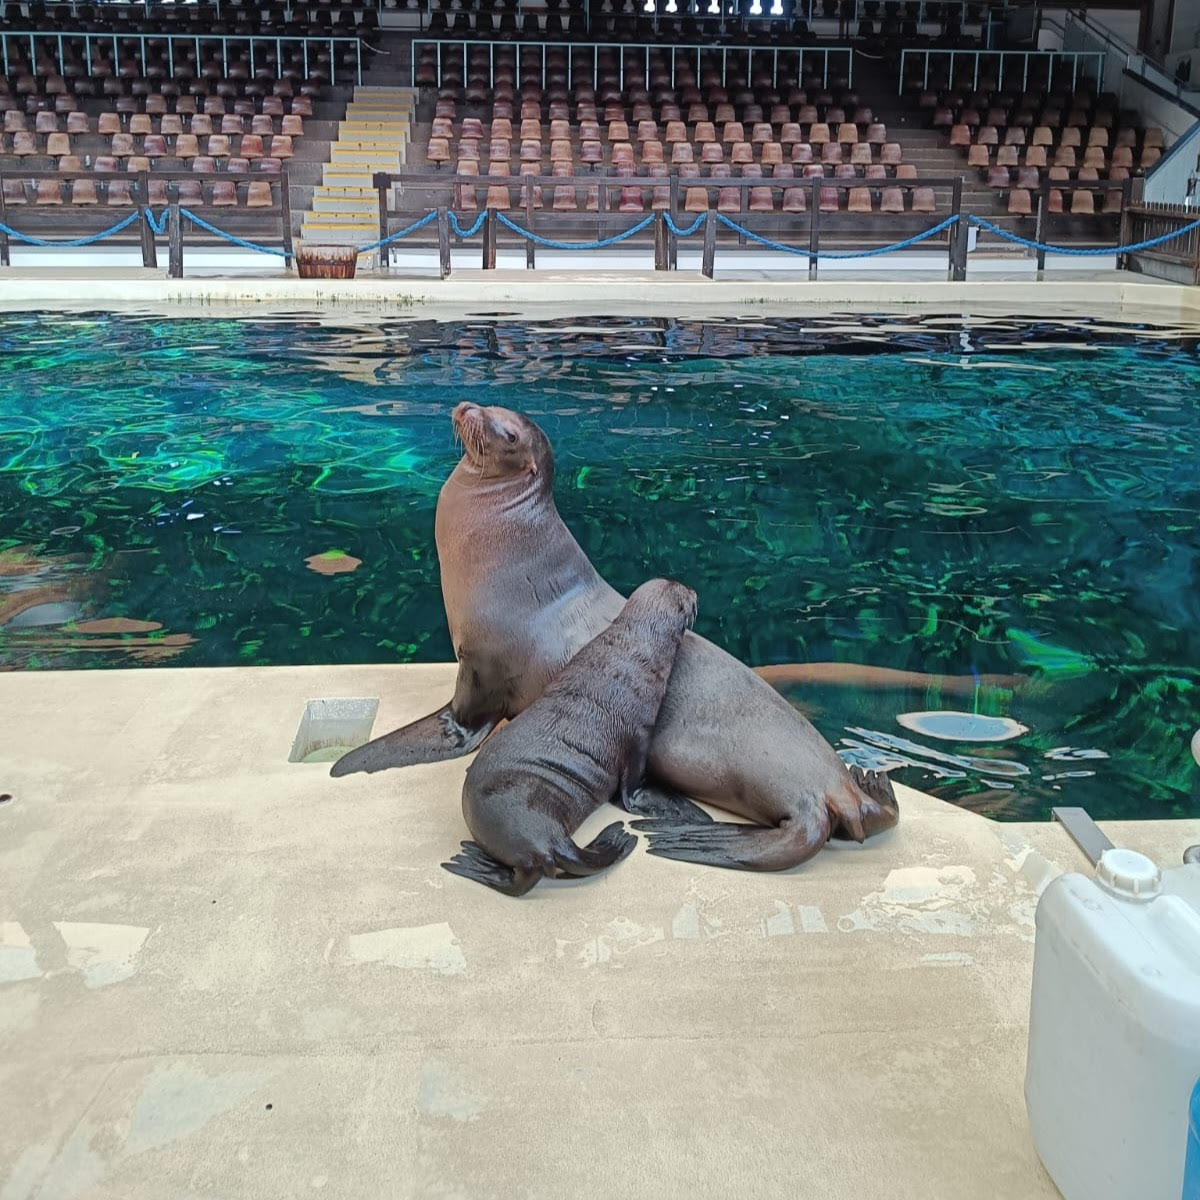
{"points": [[582, 742], [521, 599]]}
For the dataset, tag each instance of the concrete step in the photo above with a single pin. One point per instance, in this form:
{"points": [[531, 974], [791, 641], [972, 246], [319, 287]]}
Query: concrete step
{"points": [[331, 223], [350, 156], [381, 106], [365, 206], [366, 141], [381, 129], [346, 178]]}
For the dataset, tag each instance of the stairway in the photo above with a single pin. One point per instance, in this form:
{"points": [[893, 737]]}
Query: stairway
{"points": [[373, 137]]}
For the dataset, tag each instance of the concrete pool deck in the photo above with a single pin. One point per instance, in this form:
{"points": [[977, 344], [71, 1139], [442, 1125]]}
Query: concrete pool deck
{"points": [[1116, 295], [227, 975]]}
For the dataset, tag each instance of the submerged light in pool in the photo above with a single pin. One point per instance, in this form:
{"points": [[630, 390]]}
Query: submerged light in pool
{"points": [[1004, 513]]}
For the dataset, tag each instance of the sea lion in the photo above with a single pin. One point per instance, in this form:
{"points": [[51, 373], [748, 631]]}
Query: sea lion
{"points": [[584, 740], [521, 598]]}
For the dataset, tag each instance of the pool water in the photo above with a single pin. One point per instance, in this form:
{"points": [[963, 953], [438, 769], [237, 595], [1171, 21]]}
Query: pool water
{"points": [[1011, 505]]}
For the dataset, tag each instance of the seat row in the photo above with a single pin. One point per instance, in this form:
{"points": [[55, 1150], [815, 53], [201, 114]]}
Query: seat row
{"points": [[591, 153], [647, 130], [139, 124], [118, 193], [109, 17], [1083, 202], [1002, 178], [133, 87], [107, 164], [696, 200], [1003, 116], [876, 172], [1044, 135], [155, 106], [1119, 165], [122, 145]]}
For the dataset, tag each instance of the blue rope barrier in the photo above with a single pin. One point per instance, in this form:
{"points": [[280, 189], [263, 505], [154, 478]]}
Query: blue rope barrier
{"points": [[400, 233], [1074, 250], [231, 237], [466, 233], [158, 227], [684, 233], [645, 223], [869, 253], [90, 240]]}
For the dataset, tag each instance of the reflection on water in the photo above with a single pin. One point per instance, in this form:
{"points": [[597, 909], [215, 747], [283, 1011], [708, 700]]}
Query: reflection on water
{"points": [[998, 518]]}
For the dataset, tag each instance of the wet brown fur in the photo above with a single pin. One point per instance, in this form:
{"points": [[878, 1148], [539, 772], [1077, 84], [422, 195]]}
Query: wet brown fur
{"points": [[521, 598], [584, 740]]}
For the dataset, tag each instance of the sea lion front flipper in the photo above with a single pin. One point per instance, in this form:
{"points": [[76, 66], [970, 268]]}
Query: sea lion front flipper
{"points": [[662, 803], [611, 845], [476, 864], [434, 738], [739, 847]]}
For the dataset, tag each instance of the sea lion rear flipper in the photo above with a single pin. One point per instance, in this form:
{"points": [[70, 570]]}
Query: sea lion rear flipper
{"points": [[612, 844], [740, 847], [871, 807], [434, 738], [475, 863], [663, 803]]}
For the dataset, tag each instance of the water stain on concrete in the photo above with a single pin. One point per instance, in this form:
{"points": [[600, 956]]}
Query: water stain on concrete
{"points": [[18, 958], [105, 954], [76, 1169], [441, 1093], [418, 948], [26, 1171], [178, 1099], [616, 939]]}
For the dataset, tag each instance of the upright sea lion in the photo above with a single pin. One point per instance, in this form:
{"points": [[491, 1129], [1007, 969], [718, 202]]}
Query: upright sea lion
{"points": [[522, 598], [584, 740]]}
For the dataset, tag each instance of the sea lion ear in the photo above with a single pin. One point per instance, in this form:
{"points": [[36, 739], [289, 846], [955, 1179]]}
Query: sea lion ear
{"points": [[533, 468]]}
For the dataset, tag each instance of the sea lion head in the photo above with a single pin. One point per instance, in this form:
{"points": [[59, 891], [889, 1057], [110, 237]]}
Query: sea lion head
{"points": [[663, 599], [499, 443]]}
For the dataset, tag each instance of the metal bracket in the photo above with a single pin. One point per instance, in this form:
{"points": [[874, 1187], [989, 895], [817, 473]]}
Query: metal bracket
{"points": [[1085, 833]]}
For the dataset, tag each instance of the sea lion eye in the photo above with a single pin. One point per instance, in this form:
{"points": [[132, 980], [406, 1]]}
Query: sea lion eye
{"points": [[510, 436]]}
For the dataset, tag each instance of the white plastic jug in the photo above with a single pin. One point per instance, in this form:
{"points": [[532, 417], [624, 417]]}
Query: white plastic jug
{"points": [[1114, 1028]]}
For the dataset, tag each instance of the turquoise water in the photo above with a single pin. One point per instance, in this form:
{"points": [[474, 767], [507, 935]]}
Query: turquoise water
{"points": [[1012, 499]]}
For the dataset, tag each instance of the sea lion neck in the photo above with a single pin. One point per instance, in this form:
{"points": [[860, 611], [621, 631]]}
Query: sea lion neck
{"points": [[527, 487]]}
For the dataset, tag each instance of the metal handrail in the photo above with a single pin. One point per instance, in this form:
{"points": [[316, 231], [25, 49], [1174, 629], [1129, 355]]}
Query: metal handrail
{"points": [[147, 5], [1050, 57], [771, 54], [172, 40], [860, 9]]}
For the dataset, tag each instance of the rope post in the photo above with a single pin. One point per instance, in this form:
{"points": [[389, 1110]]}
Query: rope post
{"points": [[958, 237], [489, 241], [672, 240], [4, 255], [149, 253], [530, 249], [174, 236], [1039, 228], [660, 241], [1125, 228], [710, 244], [285, 217], [381, 185], [814, 228], [443, 224]]}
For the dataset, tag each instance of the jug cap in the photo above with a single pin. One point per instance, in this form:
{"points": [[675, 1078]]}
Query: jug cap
{"points": [[1129, 874]]}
